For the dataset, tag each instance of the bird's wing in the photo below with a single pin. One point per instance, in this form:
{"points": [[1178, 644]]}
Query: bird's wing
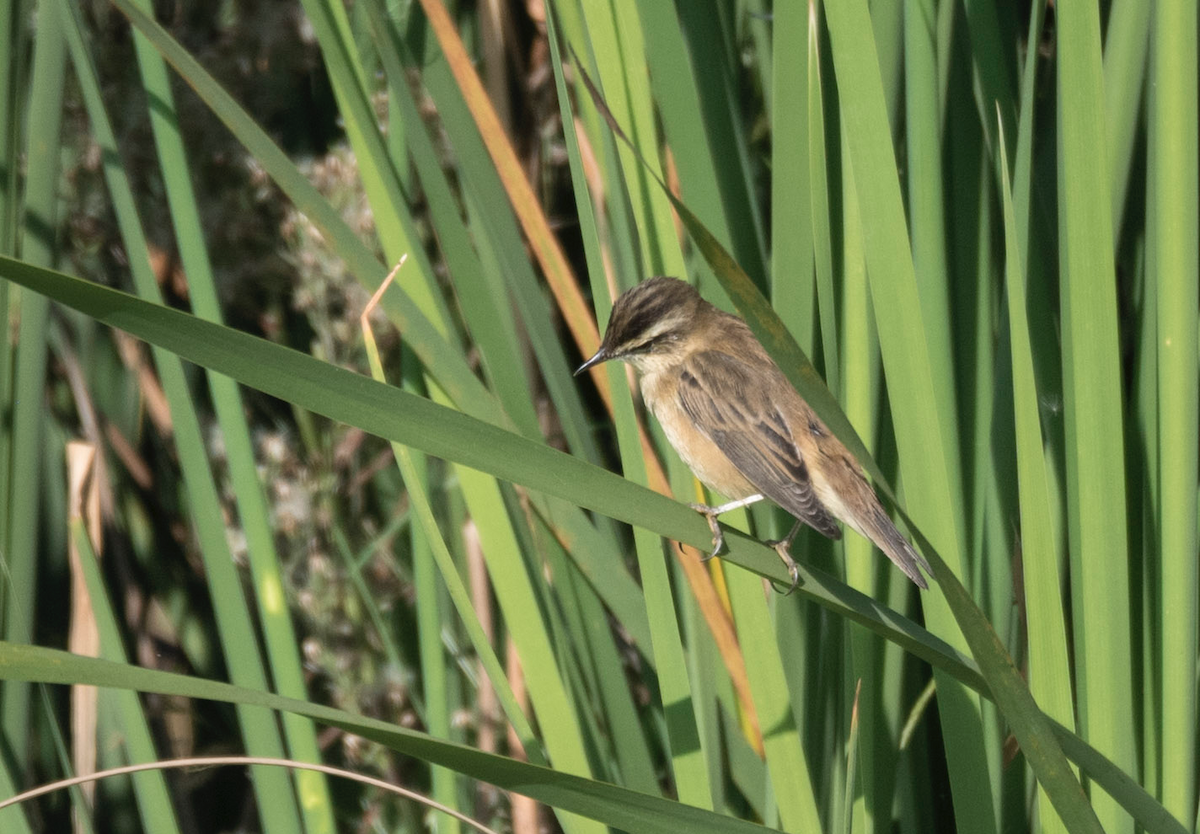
{"points": [[752, 432]]}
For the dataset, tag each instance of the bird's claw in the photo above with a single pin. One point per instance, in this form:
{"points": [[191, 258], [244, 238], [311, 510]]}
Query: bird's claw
{"points": [[781, 547], [718, 534]]}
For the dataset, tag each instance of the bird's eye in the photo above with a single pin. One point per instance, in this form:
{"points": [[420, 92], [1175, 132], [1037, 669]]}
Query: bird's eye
{"points": [[655, 342]]}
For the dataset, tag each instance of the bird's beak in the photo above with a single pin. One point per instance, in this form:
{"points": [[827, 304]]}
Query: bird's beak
{"points": [[598, 357]]}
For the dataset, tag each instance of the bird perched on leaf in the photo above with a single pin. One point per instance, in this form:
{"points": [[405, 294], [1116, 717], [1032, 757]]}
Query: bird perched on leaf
{"points": [[739, 424]]}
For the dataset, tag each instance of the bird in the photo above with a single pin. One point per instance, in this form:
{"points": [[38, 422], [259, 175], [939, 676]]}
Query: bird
{"points": [[738, 423]]}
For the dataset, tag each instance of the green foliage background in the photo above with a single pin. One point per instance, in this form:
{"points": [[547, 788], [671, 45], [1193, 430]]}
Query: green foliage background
{"points": [[967, 232]]}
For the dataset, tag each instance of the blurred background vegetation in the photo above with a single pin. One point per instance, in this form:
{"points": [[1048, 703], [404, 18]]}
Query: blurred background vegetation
{"points": [[977, 220]]}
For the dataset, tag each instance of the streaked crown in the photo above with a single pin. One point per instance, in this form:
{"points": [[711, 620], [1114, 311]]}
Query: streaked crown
{"points": [[656, 311], [651, 318]]}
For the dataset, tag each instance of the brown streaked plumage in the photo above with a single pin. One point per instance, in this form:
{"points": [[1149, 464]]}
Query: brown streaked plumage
{"points": [[739, 424]]}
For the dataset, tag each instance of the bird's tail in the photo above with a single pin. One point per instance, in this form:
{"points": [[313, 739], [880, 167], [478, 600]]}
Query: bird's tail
{"points": [[883, 532]]}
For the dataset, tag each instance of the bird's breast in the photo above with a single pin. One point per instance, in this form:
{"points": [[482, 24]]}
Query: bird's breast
{"points": [[698, 451]]}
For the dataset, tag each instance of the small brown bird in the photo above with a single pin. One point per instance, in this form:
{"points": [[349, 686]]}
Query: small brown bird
{"points": [[739, 424]]}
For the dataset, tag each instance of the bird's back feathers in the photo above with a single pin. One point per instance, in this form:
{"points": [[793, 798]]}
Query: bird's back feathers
{"points": [[752, 433], [752, 413]]}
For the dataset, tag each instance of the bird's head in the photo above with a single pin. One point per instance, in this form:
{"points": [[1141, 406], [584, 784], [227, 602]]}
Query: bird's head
{"points": [[650, 324]]}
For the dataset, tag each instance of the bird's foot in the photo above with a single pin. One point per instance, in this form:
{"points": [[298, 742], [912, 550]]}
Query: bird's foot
{"points": [[782, 547], [711, 513]]}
